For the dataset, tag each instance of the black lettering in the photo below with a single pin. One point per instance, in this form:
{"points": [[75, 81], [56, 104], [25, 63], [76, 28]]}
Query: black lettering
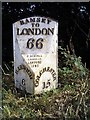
{"points": [[54, 78], [22, 22], [54, 74], [17, 31], [22, 66], [43, 85], [24, 32], [48, 21], [52, 71], [27, 70], [48, 83], [33, 24], [44, 31], [27, 21], [16, 71], [38, 77], [32, 19], [39, 44], [19, 68], [43, 20], [37, 25], [30, 31], [37, 31], [44, 69], [38, 20], [30, 76], [40, 73], [36, 82], [23, 81], [50, 31], [48, 68], [30, 44]]}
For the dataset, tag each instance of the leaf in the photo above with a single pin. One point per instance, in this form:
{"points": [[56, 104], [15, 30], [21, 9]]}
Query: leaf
{"points": [[6, 111]]}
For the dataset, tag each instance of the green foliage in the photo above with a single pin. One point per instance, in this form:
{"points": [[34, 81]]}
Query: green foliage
{"points": [[72, 68], [69, 101]]}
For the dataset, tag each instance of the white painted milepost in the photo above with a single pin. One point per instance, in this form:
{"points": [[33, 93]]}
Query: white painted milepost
{"points": [[35, 44]]}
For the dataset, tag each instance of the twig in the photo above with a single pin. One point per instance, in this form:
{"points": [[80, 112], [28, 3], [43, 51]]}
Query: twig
{"points": [[6, 67], [79, 106], [3, 71]]}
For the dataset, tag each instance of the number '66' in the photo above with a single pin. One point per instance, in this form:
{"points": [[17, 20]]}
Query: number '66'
{"points": [[35, 43]]}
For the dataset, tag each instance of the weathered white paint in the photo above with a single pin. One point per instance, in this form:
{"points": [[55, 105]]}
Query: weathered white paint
{"points": [[35, 70]]}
